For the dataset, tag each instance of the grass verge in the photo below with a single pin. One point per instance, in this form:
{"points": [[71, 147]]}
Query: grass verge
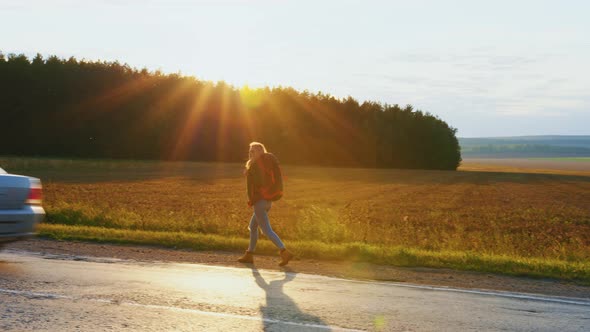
{"points": [[578, 272]]}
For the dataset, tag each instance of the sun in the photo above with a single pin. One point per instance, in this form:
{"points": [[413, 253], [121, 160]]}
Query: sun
{"points": [[251, 98]]}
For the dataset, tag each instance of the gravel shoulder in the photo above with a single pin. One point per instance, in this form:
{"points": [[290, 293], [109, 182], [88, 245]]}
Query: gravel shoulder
{"points": [[348, 270]]}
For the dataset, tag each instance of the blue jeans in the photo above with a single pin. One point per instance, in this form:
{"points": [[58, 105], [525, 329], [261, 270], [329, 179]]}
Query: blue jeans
{"points": [[260, 220]]}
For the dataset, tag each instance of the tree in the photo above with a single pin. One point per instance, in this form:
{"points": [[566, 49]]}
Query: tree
{"points": [[108, 109]]}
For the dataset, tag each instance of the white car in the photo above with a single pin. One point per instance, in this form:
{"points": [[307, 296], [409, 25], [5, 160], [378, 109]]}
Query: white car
{"points": [[20, 206]]}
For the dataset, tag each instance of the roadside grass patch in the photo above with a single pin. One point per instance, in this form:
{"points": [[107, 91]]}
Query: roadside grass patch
{"points": [[395, 256]]}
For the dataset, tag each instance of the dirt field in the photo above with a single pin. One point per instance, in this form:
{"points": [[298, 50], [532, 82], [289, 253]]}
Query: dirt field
{"points": [[494, 211]]}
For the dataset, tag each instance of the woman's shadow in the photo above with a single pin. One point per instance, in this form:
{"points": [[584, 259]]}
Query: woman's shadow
{"points": [[280, 312]]}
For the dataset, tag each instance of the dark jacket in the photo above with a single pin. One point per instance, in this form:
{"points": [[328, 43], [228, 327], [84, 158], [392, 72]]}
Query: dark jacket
{"points": [[264, 179]]}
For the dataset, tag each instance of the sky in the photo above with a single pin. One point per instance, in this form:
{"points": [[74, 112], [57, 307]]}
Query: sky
{"points": [[488, 68]]}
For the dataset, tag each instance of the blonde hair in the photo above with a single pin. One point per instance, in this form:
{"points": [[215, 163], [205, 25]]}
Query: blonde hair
{"points": [[259, 146]]}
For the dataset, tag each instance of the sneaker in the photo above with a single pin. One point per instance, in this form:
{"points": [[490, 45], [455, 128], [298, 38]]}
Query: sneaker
{"points": [[286, 256], [246, 258]]}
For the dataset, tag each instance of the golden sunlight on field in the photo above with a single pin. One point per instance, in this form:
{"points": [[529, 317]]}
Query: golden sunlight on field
{"points": [[520, 214]]}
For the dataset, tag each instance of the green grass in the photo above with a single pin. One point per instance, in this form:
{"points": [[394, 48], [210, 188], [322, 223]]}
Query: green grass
{"points": [[396, 256]]}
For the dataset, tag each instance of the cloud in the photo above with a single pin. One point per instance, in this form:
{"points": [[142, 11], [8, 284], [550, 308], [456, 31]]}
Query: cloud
{"points": [[486, 81]]}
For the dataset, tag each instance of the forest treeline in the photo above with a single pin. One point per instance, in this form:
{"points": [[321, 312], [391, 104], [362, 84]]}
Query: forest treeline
{"points": [[75, 108]]}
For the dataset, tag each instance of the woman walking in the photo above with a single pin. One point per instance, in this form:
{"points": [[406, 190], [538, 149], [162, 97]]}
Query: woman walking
{"points": [[265, 185]]}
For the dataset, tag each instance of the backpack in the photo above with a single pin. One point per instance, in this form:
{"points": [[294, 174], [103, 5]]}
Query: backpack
{"points": [[272, 178]]}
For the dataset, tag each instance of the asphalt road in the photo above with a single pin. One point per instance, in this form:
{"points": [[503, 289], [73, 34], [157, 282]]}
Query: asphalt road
{"points": [[69, 293]]}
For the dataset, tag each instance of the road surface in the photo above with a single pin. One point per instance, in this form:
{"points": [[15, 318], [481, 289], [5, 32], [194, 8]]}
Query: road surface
{"points": [[69, 293]]}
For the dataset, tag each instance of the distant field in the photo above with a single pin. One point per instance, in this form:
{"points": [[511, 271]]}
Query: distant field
{"points": [[567, 147], [567, 165], [484, 210]]}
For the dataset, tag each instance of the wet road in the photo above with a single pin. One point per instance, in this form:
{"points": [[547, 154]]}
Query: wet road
{"points": [[68, 293]]}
